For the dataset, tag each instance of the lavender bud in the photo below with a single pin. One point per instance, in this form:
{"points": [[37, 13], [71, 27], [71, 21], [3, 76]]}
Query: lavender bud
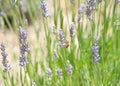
{"points": [[55, 54], [23, 61], [44, 8], [82, 8], [59, 73], [49, 72], [5, 62], [79, 19], [53, 30], [91, 3], [2, 47], [62, 41], [95, 50], [24, 47], [72, 30], [68, 67]]}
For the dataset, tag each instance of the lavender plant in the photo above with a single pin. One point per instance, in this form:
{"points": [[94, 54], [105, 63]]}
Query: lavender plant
{"points": [[74, 64]]}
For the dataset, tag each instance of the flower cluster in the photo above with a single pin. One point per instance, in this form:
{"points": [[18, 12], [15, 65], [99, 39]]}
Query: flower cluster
{"points": [[87, 9], [24, 47], [62, 41], [81, 10], [68, 67], [59, 73], [95, 50], [5, 63]]}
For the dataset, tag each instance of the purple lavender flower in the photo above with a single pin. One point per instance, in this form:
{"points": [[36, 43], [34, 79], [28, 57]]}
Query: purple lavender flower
{"points": [[44, 8], [23, 61], [69, 67], [89, 13], [91, 3], [72, 30], [79, 19], [62, 41], [24, 47], [95, 50], [5, 63], [49, 73], [59, 73], [118, 1], [82, 8]]}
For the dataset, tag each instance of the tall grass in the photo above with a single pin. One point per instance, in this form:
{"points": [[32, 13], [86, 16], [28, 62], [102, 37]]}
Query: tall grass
{"points": [[76, 52]]}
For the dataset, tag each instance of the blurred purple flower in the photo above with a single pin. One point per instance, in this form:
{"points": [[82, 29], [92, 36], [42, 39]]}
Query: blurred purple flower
{"points": [[95, 50], [62, 41], [44, 8], [24, 47], [59, 73], [69, 67], [82, 8], [72, 30], [49, 73], [118, 1], [5, 63]]}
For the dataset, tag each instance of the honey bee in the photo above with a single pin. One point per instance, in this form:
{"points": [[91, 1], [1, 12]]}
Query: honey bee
{"points": [[67, 44]]}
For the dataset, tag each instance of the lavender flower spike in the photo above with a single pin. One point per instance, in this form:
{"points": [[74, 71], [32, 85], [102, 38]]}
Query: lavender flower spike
{"points": [[44, 8], [72, 30], [62, 41], [5, 63], [82, 9], [68, 67], [24, 47], [59, 73], [95, 50], [49, 73]]}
